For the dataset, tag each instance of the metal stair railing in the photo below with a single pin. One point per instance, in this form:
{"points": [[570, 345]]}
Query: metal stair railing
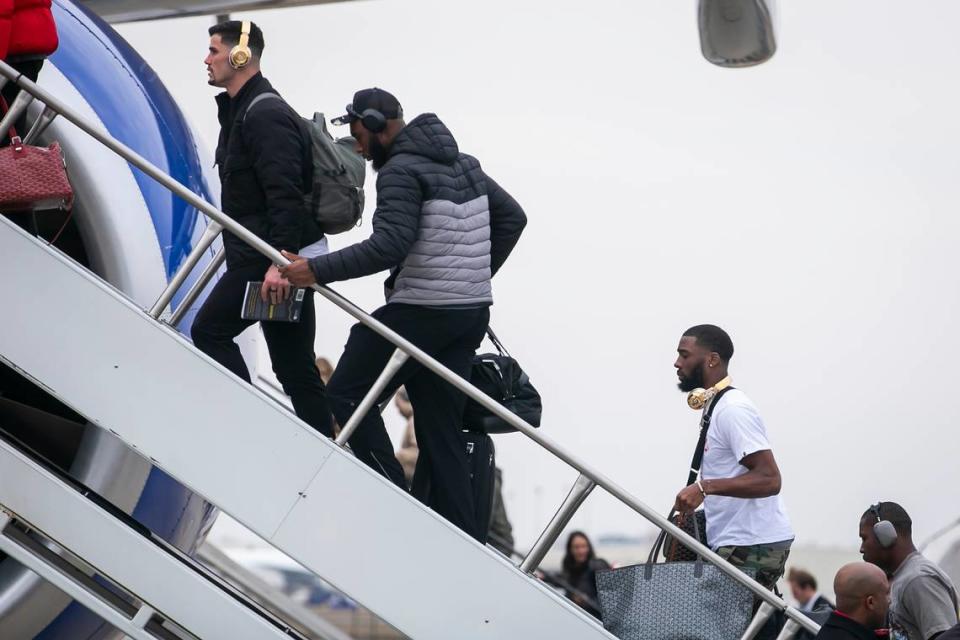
{"points": [[589, 477]]}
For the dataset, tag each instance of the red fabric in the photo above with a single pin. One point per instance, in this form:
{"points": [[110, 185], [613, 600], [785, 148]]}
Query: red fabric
{"points": [[880, 633], [6, 22], [33, 31]]}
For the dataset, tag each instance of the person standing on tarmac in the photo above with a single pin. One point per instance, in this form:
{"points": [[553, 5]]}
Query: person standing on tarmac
{"points": [[443, 228], [266, 167]]}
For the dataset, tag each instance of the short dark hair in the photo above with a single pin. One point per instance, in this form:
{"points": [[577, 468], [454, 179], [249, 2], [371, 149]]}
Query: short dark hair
{"points": [[801, 578], [713, 338], [229, 33], [892, 513]]}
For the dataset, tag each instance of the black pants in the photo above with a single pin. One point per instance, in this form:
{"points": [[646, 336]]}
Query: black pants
{"points": [[290, 344], [450, 336], [31, 69]]}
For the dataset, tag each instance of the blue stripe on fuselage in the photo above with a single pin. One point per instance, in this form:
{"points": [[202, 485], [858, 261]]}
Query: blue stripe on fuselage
{"points": [[137, 109]]}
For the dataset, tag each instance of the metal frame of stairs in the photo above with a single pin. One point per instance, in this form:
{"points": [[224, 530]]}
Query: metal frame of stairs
{"points": [[330, 462]]}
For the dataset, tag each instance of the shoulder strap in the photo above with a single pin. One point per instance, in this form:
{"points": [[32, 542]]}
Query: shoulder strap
{"points": [[259, 98], [704, 426]]}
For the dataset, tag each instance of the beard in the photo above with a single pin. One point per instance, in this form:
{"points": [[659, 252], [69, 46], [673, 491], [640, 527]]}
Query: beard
{"points": [[694, 381], [378, 153]]}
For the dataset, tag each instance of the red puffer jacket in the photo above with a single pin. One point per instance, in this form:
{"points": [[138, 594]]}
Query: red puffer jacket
{"points": [[33, 32], [6, 21]]}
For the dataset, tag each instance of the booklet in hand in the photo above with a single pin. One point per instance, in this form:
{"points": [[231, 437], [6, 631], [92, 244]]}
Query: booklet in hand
{"points": [[254, 308]]}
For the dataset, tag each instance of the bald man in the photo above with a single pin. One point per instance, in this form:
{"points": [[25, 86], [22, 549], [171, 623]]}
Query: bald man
{"points": [[863, 597]]}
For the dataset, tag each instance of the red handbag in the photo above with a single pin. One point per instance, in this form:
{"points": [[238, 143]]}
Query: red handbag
{"points": [[32, 178]]}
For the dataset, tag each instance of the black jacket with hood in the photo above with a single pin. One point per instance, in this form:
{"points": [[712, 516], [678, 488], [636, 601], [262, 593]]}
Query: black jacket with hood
{"points": [[442, 226], [266, 168]]}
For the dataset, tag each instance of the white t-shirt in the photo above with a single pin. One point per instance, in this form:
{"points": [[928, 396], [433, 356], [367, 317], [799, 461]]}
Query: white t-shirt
{"points": [[736, 431]]}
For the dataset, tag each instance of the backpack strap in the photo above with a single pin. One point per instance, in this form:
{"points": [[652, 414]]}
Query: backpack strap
{"points": [[702, 443], [259, 98]]}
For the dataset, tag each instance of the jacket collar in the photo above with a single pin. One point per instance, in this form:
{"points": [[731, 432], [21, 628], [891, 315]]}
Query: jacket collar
{"points": [[848, 624], [228, 107]]}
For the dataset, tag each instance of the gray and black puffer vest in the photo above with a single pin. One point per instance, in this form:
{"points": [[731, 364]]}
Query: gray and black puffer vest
{"points": [[449, 262]]}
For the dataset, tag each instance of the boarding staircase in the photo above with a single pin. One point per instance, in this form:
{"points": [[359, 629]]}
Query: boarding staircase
{"points": [[228, 442]]}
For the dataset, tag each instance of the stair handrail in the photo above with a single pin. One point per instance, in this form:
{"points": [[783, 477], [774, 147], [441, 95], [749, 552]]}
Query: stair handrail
{"points": [[589, 476]]}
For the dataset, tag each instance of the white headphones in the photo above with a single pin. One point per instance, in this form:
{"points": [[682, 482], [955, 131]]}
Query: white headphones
{"points": [[883, 530]]}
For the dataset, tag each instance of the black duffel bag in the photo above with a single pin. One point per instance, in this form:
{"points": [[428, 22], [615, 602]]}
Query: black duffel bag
{"points": [[499, 376]]}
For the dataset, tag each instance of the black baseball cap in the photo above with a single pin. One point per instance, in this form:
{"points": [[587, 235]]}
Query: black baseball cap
{"points": [[375, 98]]}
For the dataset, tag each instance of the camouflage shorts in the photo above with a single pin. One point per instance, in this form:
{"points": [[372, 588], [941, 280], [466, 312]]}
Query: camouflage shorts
{"points": [[767, 559]]}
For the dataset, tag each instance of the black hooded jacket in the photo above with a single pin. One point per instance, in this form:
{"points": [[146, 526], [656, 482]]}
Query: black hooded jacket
{"points": [[265, 165], [429, 226]]}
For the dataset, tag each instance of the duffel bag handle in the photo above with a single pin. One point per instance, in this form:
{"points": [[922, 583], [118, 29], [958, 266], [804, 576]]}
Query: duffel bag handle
{"points": [[507, 374], [496, 342]]}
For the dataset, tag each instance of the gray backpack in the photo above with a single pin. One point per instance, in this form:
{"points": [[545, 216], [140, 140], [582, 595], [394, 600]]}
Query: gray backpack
{"points": [[336, 199]]}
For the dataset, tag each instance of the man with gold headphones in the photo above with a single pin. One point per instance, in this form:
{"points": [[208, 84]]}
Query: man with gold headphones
{"points": [[739, 481], [266, 168]]}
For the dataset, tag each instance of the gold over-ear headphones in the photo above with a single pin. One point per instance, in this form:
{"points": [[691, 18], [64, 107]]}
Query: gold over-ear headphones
{"points": [[241, 55], [698, 398]]}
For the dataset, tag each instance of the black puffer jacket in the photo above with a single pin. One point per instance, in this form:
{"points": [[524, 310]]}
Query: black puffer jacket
{"points": [[442, 225], [265, 169]]}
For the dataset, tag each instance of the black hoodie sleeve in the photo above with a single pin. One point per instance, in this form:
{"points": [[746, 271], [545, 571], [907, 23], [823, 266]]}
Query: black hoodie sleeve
{"points": [[507, 221], [395, 223], [276, 141]]}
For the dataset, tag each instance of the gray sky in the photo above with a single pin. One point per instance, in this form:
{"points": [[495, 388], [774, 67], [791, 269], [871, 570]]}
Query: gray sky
{"points": [[808, 206]]}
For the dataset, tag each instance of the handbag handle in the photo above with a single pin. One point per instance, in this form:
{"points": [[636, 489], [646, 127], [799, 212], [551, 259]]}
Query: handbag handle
{"points": [[13, 131], [658, 545], [661, 539]]}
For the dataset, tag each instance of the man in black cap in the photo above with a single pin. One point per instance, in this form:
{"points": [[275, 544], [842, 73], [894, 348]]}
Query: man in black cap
{"points": [[443, 228]]}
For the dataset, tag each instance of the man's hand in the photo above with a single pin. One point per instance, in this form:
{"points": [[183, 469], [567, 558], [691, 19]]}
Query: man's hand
{"points": [[298, 271], [275, 287], [688, 499]]}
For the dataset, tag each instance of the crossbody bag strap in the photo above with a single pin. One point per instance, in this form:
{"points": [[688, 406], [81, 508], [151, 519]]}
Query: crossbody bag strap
{"points": [[702, 443]]}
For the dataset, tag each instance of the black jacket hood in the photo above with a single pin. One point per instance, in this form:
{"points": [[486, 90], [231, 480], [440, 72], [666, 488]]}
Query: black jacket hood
{"points": [[427, 136]]}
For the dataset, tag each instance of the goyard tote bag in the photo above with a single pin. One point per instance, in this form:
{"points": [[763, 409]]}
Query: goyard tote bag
{"points": [[31, 177], [673, 601]]}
